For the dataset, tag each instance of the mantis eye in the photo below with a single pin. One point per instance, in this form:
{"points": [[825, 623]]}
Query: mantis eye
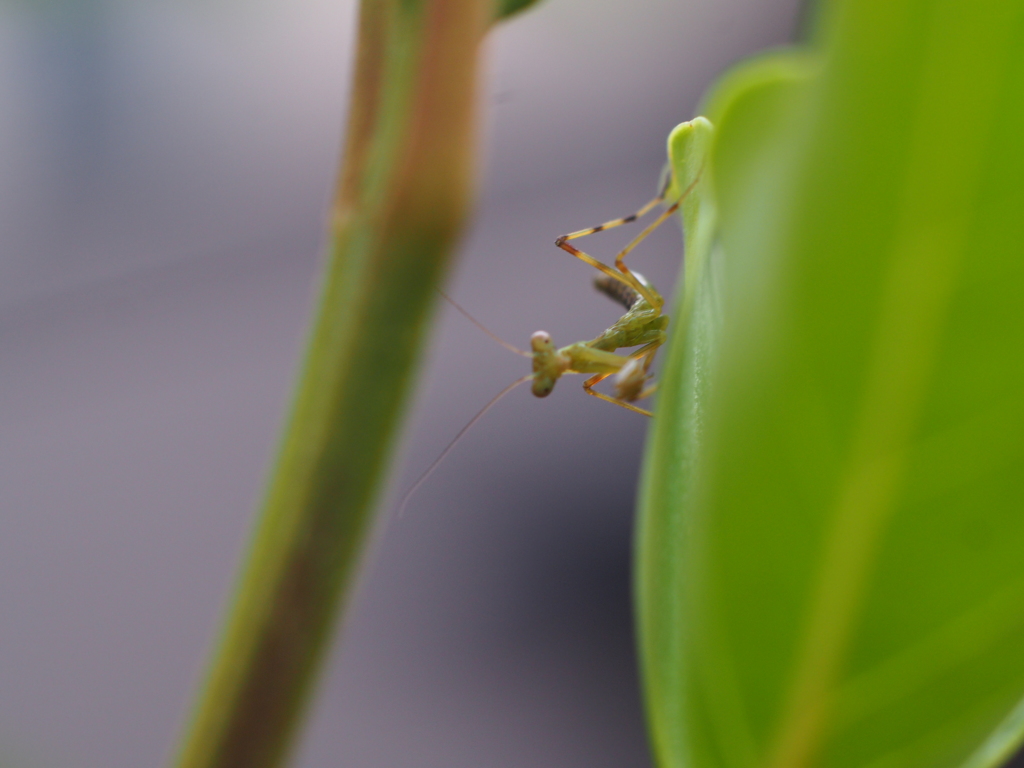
{"points": [[542, 386], [541, 342]]}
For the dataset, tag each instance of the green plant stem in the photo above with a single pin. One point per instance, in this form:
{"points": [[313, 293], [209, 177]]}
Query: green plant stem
{"points": [[403, 195]]}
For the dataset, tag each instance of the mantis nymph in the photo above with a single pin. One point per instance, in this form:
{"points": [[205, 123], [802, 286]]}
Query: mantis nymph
{"points": [[642, 326]]}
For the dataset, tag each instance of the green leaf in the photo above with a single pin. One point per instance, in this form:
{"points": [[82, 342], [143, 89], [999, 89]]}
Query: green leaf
{"points": [[831, 550], [675, 438], [757, 90]]}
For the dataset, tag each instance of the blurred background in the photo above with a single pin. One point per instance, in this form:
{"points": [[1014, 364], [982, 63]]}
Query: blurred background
{"points": [[165, 167]]}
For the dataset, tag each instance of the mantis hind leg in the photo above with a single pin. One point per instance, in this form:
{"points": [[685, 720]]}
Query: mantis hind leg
{"points": [[626, 277], [621, 274], [662, 217], [625, 219]]}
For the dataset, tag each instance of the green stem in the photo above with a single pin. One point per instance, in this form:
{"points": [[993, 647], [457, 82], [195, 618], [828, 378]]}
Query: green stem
{"points": [[402, 198]]}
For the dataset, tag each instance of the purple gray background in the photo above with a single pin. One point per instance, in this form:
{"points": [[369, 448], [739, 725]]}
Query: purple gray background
{"points": [[165, 166]]}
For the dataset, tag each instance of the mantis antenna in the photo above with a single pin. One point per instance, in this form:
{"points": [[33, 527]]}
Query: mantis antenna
{"points": [[481, 326], [430, 470], [437, 462]]}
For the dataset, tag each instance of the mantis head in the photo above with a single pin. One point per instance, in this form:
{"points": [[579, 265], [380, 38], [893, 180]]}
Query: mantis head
{"points": [[548, 364]]}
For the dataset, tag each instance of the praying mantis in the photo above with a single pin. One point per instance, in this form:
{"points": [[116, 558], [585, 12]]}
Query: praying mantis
{"points": [[644, 323]]}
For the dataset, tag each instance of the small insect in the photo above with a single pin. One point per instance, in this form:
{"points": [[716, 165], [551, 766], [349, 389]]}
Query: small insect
{"points": [[643, 325]]}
